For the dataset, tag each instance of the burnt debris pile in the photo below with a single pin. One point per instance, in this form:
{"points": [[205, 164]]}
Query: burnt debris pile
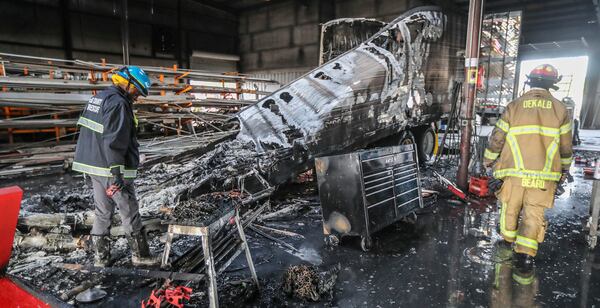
{"points": [[232, 165], [202, 209], [307, 283], [60, 200]]}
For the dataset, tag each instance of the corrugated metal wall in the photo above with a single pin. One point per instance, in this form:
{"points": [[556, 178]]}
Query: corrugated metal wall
{"points": [[282, 76]]}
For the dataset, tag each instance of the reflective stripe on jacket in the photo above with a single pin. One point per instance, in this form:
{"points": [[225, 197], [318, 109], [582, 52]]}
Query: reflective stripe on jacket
{"points": [[532, 139], [107, 137]]}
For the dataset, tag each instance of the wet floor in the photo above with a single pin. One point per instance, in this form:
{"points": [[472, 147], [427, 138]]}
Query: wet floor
{"points": [[447, 258]]}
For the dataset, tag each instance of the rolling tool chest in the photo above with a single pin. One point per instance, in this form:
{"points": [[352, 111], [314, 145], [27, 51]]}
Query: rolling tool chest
{"points": [[366, 191]]}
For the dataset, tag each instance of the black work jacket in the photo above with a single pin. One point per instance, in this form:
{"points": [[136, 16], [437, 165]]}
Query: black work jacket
{"points": [[107, 138]]}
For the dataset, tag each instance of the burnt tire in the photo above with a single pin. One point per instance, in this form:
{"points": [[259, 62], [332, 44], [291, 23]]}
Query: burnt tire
{"points": [[406, 137], [426, 141]]}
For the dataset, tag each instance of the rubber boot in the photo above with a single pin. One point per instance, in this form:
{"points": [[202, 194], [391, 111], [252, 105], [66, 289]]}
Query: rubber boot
{"points": [[524, 263], [140, 252], [503, 251], [101, 250]]}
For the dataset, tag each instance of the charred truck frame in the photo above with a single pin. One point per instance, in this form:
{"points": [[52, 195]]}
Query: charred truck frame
{"points": [[392, 86]]}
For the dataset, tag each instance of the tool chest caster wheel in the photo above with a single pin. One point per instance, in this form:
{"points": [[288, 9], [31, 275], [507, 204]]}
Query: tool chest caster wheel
{"points": [[332, 240], [365, 243]]}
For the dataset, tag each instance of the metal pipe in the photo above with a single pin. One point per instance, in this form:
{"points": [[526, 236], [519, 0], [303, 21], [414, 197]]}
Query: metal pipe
{"points": [[87, 65], [125, 31], [471, 65]]}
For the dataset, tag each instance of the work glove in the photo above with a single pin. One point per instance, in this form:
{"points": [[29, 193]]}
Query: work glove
{"points": [[118, 182], [117, 177], [563, 177], [566, 176], [489, 171]]}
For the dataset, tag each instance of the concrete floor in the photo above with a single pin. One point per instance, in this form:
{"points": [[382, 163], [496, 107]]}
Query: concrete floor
{"points": [[447, 257]]}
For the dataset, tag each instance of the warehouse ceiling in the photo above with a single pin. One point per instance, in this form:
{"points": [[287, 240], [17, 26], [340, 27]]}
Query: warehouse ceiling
{"points": [[543, 20], [549, 20]]}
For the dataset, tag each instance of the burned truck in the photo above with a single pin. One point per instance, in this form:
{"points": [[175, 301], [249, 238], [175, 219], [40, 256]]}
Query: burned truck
{"points": [[390, 87], [396, 82]]}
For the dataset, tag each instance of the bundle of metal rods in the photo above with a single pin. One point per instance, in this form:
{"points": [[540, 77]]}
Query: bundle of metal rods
{"points": [[45, 95], [41, 99], [39, 158]]}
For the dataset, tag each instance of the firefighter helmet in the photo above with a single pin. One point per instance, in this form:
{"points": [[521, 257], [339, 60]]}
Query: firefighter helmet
{"points": [[544, 74], [137, 77]]}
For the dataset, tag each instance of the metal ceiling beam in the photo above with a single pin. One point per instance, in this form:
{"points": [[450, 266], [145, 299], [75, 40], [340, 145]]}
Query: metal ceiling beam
{"points": [[222, 6], [544, 36], [571, 10], [581, 18], [492, 6], [258, 6], [556, 24]]}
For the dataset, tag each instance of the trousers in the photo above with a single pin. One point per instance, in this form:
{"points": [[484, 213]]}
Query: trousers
{"points": [[528, 204], [104, 207]]}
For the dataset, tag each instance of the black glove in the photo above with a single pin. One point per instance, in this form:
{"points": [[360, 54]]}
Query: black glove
{"points": [[564, 177], [118, 180]]}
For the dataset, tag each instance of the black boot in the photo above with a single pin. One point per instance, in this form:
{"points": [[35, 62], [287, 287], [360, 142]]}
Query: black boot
{"points": [[140, 252], [524, 263], [101, 245]]}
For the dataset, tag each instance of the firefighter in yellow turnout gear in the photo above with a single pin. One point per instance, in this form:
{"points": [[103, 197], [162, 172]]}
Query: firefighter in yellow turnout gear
{"points": [[531, 146]]}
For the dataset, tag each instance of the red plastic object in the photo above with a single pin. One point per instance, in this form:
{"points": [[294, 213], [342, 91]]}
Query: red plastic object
{"points": [[11, 295], [457, 192], [172, 295], [175, 296], [155, 299], [479, 186], [10, 204]]}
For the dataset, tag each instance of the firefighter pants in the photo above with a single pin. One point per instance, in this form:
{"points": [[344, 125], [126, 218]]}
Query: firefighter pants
{"points": [[529, 204], [125, 200]]}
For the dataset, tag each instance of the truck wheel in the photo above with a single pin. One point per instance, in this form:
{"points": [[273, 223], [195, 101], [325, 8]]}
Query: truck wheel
{"points": [[426, 143], [406, 137]]}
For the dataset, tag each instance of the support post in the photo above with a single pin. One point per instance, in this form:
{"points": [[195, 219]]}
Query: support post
{"points": [[125, 31], [66, 29], [240, 229], [213, 296], [167, 250], [470, 91], [594, 214]]}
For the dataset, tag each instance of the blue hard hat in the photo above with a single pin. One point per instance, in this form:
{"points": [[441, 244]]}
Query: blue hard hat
{"points": [[137, 77]]}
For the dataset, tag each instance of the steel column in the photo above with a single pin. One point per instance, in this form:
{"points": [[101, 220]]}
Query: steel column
{"points": [[66, 29], [470, 91], [594, 214], [125, 31]]}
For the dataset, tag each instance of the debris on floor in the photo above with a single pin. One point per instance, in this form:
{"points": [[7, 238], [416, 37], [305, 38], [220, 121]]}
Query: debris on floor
{"points": [[306, 282]]}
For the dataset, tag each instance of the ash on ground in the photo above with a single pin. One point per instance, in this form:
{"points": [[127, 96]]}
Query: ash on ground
{"points": [[60, 199]]}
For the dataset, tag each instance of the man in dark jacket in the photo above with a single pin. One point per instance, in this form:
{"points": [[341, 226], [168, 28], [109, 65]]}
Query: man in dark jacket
{"points": [[107, 150]]}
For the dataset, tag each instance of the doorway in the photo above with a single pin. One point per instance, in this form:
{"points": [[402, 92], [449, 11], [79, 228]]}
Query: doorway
{"points": [[573, 70]]}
